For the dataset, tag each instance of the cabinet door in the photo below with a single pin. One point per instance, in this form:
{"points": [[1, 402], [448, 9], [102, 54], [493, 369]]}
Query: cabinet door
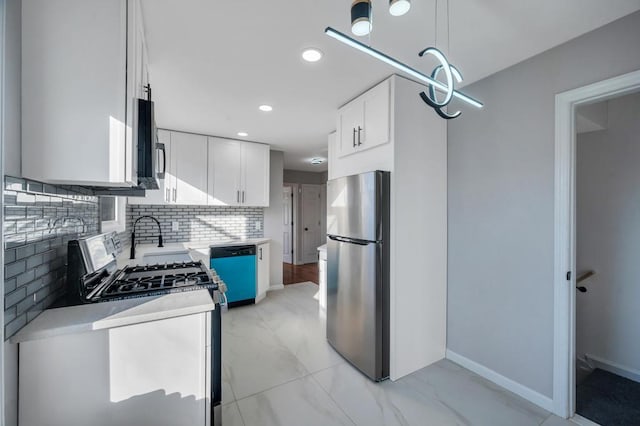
{"points": [[224, 172], [376, 108], [255, 175], [163, 194], [350, 118], [74, 99], [262, 272], [189, 156]]}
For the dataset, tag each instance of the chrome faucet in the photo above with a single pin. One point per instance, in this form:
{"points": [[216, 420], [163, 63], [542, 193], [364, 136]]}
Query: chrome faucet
{"points": [[133, 235]]}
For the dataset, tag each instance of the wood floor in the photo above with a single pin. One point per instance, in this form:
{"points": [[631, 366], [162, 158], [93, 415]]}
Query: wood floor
{"points": [[293, 274]]}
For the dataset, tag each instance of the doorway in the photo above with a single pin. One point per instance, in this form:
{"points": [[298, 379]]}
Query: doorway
{"points": [[567, 270], [287, 224], [304, 230], [607, 244]]}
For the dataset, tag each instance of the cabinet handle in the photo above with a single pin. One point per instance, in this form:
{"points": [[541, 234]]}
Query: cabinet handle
{"points": [[260, 253], [354, 137], [174, 194], [242, 197], [167, 197], [359, 130], [238, 197]]}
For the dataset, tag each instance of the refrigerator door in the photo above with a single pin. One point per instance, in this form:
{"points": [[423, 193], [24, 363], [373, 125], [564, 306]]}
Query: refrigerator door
{"points": [[356, 205], [355, 305]]}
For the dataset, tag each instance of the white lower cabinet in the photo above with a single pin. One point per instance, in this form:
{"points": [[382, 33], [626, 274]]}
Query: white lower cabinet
{"points": [[262, 271], [152, 373]]}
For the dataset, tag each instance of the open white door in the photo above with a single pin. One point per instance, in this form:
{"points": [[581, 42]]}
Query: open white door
{"points": [[311, 222], [287, 224]]}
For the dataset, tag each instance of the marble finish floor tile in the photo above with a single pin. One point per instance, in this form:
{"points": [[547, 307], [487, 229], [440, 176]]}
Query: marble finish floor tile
{"points": [[557, 421], [300, 402], [280, 370], [231, 415], [253, 358]]}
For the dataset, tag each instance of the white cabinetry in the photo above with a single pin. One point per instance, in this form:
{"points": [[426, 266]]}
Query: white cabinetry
{"points": [[151, 373], [365, 122], [204, 170], [416, 156], [81, 75], [238, 173], [262, 271], [189, 167]]}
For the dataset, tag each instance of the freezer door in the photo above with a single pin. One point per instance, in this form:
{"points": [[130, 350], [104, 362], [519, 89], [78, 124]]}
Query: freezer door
{"points": [[356, 304], [358, 206]]}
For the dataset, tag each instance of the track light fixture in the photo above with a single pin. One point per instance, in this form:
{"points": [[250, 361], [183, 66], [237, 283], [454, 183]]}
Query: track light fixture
{"points": [[361, 17]]}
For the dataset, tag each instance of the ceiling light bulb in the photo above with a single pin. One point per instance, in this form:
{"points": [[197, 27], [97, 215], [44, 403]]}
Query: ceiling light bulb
{"points": [[265, 108], [243, 134], [361, 17], [399, 7], [312, 55]]}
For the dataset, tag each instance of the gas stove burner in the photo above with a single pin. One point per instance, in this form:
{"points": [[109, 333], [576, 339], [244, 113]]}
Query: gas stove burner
{"points": [[145, 280], [162, 267]]}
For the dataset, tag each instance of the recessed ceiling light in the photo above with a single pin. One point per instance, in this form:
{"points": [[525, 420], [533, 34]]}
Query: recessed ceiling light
{"points": [[317, 160], [312, 55], [265, 108], [399, 7], [243, 134]]}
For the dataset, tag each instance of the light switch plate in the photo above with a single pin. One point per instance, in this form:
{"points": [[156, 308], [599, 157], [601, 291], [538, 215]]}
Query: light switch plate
{"points": [[258, 226], [175, 225]]}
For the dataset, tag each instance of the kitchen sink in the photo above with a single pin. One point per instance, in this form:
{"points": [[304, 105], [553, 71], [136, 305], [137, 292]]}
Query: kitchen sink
{"points": [[166, 257]]}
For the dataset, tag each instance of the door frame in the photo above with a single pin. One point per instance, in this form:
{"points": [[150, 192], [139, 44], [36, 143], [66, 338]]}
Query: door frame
{"points": [[294, 217], [291, 234], [565, 231], [323, 196]]}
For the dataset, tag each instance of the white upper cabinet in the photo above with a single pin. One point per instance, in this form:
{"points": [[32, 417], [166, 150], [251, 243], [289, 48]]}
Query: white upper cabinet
{"points": [[224, 172], [83, 65], [211, 171], [189, 166], [365, 122], [255, 174], [238, 173]]}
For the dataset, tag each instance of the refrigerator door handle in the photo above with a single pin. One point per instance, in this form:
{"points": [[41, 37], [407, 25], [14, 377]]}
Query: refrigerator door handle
{"points": [[349, 240]]}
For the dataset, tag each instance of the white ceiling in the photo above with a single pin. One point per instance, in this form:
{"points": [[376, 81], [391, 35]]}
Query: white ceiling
{"points": [[212, 63]]}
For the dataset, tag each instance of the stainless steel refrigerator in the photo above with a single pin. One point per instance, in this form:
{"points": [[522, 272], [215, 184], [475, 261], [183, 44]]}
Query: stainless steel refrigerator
{"points": [[358, 270]]}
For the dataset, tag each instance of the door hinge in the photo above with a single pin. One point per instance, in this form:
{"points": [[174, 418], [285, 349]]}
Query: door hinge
{"points": [[569, 276]]}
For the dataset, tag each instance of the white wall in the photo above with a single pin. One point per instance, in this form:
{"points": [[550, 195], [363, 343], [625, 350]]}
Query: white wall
{"points": [[501, 204], [608, 237], [296, 176], [273, 218]]}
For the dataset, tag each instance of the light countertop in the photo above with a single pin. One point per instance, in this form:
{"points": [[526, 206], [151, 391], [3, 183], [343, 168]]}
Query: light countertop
{"points": [[100, 316], [198, 250]]}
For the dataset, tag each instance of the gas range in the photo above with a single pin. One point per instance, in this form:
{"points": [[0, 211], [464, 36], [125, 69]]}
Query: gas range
{"points": [[93, 275], [147, 280]]}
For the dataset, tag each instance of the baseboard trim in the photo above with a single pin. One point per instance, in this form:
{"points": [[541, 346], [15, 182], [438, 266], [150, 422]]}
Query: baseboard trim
{"points": [[613, 367], [497, 378], [276, 287]]}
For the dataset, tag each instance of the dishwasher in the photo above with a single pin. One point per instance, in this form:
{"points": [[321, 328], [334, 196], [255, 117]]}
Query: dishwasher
{"points": [[236, 265]]}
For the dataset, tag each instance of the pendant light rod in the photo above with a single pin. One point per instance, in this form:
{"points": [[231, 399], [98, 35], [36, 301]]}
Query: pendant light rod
{"points": [[399, 65]]}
